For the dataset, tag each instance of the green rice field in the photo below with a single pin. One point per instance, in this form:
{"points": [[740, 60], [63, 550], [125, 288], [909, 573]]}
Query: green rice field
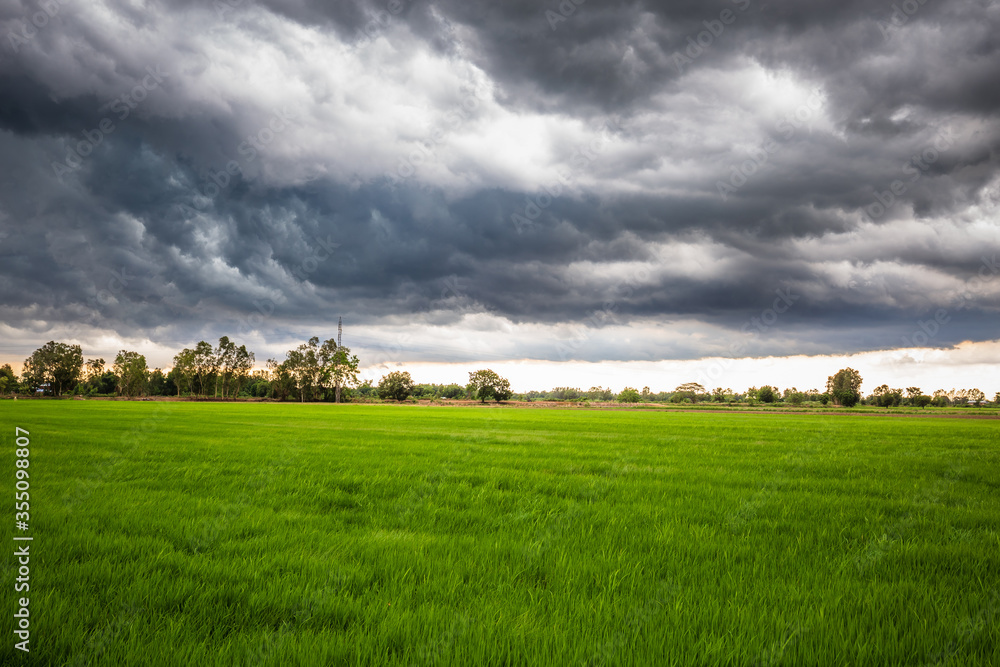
{"points": [[284, 534]]}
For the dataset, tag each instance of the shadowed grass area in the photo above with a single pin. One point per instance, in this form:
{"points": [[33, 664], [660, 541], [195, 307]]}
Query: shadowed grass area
{"points": [[217, 534]]}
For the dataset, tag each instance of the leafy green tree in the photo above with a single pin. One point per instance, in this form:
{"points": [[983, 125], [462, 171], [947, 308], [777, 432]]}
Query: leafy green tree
{"points": [[206, 365], [601, 394], [975, 396], [93, 370], [8, 380], [884, 397], [488, 384], [132, 372], [57, 364], [338, 367], [921, 401], [184, 370], [912, 393], [225, 356], [396, 386], [629, 395], [281, 379], [767, 394], [158, 383], [845, 387], [453, 391], [303, 365]]}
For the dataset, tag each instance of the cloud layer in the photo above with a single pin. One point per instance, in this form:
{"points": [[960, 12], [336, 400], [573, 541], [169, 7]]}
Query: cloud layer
{"points": [[470, 180]]}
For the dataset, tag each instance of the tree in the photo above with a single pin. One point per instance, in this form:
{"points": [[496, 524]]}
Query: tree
{"points": [[845, 387], [921, 401], [205, 366], [132, 372], [157, 383], [282, 382], [242, 364], [225, 355], [996, 399], [8, 381], [602, 394], [338, 367], [767, 394], [94, 369], [488, 384], [912, 393], [628, 395], [884, 397], [453, 391], [303, 365], [396, 385], [719, 394], [975, 396], [184, 370], [57, 364]]}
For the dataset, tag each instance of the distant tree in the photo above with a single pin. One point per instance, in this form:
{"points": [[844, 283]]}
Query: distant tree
{"points": [[303, 366], [912, 393], [8, 380], [845, 387], [396, 386], [488, 384], [225, 355], [940, 399], [184, 370], [921, 401], [628, 395], [602, 394], [132, 373], [885, 397], [107, 384], [693, 387], [794, 397], [241, 363], [975, 396], [996, 398], [366, 390], [93, 369], [205, 364], [767, 394], [338, 367], [57, 364], [565, 393], [281, 379], [823, 398], [453, 391], [158, 383]]}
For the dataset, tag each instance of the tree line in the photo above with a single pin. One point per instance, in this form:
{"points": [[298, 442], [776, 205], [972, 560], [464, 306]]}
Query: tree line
{"points": [[329, 372], [311, 371]]}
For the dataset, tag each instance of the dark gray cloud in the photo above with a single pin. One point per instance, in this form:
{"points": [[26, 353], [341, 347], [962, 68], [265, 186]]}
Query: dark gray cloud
{"points": [[190, 171]]}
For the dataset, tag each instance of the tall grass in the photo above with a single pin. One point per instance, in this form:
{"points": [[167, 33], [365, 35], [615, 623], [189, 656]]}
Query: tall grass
{"points": [[370, 535]]}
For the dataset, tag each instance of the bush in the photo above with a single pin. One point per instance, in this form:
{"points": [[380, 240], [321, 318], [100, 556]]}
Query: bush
{"points": [[628, 395], [396, 386]]}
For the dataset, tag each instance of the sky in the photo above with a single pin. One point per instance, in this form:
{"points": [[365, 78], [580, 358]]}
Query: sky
{"points": [[575, 193]]}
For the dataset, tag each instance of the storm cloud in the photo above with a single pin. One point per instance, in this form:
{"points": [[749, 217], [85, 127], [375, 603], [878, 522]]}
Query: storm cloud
{"points": [[469, 180]]}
